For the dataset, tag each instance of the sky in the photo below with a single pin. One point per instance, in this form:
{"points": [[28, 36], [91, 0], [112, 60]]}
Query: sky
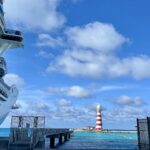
{"points": [[77, 54]]}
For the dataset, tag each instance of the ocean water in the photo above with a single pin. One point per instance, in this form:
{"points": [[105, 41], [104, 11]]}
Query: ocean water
{"points": [[4, 132], [93, 140]]}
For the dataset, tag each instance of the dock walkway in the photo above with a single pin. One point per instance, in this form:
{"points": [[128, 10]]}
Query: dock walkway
{"points": [[34, 139]]}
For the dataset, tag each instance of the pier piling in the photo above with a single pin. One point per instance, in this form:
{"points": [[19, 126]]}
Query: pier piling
{"points": [[52, 142], [60, 139], [66, 138], [62, 135], [69, 136]]}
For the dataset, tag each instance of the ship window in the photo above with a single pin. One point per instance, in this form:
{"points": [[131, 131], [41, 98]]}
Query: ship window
{"points": [[1, 99], [2, 21], [1, 10], [3, 93]]}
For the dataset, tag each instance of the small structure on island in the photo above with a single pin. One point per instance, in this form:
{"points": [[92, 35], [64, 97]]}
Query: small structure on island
{"points": [[89, 128], [98, 118]]}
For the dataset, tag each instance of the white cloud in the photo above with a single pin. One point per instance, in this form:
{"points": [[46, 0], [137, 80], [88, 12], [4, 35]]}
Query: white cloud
{"points": [[15, 79], [111, 87], [45, 40], [69, 112], [60, 109], [36, 103], [35, 14], [126, 115], [134, 111], [63, 103], [80, 63], [96, 36], [73, 91], [79, 92], [44, 54], [56, 90], [92, 53], [125, 100]]}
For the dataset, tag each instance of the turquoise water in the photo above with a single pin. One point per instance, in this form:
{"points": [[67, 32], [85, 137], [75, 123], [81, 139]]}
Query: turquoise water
{"points": [[4, 132], [94, 140]]}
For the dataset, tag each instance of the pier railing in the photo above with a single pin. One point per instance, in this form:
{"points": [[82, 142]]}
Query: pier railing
{"points": [[143, 128]]}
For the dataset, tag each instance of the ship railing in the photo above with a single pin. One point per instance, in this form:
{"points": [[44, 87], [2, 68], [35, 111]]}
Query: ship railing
{"points": [[2, 24], [2, 66], [4, 85], [4, 89], [3, 96], [14, 32], [2, 61], [12, 35]]}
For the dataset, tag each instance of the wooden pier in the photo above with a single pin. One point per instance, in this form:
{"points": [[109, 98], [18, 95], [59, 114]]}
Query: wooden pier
{"points": [[29, 133], [32, 139], [62, 136], [4, 143]]}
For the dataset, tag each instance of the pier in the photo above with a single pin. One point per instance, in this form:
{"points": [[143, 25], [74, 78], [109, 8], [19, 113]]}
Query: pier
{"points": [[143, 129], [29, 133], [63, 135], [35, 138]]}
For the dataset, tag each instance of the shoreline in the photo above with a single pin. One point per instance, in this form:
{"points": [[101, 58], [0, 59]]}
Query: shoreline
{"points": [[106, 131]]}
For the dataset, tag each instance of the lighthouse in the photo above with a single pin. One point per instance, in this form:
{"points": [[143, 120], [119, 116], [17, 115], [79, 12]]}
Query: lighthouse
{"points": [[98, 118]]}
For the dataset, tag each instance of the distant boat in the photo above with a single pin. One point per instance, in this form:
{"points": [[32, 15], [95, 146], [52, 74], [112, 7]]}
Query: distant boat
{"points": [[8, 39]]}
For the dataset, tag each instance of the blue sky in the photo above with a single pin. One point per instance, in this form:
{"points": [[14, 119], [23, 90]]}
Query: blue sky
{"points": [[80, 53]]}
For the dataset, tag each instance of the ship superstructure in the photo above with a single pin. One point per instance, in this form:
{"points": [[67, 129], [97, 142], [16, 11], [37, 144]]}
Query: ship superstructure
{"points": [[8, 39]]}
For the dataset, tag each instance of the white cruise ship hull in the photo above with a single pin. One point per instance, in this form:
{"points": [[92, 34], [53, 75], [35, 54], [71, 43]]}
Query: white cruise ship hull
{"points": [[9, 39], [6, 106], [7, 44]]}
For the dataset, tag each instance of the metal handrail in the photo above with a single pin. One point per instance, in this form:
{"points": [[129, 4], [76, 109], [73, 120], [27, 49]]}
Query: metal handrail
{"points": [[14, 32]]}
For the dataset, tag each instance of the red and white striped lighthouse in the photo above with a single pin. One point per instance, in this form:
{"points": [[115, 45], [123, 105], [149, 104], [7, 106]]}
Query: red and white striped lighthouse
{"points": [[98, 118]]}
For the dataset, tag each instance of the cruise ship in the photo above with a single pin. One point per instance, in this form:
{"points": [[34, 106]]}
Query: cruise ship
{"points": [[9, 39]]}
